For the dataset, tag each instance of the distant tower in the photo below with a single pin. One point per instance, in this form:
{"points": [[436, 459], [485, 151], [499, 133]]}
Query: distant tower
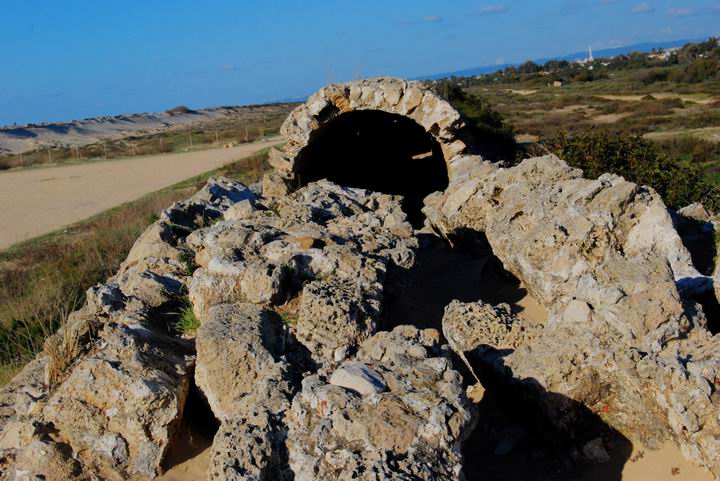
{"points": [[590, 58]]}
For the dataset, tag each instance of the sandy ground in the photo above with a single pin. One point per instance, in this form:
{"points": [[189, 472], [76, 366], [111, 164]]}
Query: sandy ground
{"points": [[665, 464], [609, 118], [696, 98], [711, 134], [523, 92], [41, 200], [575, 108]]}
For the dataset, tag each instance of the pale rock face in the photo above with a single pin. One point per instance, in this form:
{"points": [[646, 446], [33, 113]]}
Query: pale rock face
{"points": [[242, 339], [359, 378], [44, 460], [119, 407], [324, 250], [420, 419]]}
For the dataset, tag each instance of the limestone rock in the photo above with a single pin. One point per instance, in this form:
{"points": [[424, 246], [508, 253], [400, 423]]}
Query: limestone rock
{"points": [[119, 406], [359, 378], [237, 346], [414, 430], [45, 460]]}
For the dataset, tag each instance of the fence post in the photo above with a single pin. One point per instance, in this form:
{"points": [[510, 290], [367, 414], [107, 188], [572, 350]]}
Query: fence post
{"points": [[217, 140], [246, 134], [105, 148], [77, 153], [162, 150], [50, 154], [190, 137], [22, 161]]}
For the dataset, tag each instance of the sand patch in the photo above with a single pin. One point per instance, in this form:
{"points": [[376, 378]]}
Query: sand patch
{"points": [[192, 469], [575, 108], [695, 98], [664, 464], [609, 118], [44, 199], [523, 92], [526, 138], [711, 134]]}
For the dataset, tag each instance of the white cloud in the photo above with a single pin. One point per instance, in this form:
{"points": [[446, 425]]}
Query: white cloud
{"points": [[425, 19], [643, 8], [679, 12], [491, 9]]}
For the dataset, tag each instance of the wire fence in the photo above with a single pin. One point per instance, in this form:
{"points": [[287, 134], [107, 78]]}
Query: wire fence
{"points": [[167, 142]]}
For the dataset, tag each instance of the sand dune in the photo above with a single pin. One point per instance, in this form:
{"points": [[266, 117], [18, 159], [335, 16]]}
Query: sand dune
{"points": [[41, 200], [76, 133]]}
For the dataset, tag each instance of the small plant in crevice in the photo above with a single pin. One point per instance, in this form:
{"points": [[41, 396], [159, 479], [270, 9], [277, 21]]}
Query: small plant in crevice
{"points": [[288, 320], [289, 312], [185, 321], [188, 260], [188, 323]]}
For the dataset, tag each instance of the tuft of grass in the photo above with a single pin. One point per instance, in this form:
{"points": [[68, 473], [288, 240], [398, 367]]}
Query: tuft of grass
{"points": [[288, 319], [188, 323], [8, 371], [188, 260]]}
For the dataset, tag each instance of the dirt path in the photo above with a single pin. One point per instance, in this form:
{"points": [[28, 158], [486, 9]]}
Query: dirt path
{"points": [[701, 99], [711, 134], [38, 201]]}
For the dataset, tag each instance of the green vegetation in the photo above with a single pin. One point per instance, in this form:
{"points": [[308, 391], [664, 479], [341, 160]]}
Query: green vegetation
{"points": [[652, 118], [187, 323], [45, 279], [490, 133], [188, 259], [678, 182], [288, 319]]}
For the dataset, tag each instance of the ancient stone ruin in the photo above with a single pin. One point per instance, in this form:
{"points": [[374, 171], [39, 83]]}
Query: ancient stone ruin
{"points": [[366, 309]]}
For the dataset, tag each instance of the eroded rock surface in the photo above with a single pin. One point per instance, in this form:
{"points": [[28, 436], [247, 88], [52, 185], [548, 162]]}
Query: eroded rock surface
{"points": [[408, 422], [623, 338]]}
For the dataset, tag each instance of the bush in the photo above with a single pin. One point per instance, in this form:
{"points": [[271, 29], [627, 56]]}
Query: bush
{"points": [[698, 71], [678, 182], [651, 76], [688, 147], [494, 137]]}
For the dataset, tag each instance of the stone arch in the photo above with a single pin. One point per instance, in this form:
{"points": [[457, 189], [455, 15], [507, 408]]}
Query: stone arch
{"points": [[427, 129]]}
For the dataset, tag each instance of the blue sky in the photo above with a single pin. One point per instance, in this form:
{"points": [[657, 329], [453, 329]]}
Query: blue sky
{"points": [[62, 60]]}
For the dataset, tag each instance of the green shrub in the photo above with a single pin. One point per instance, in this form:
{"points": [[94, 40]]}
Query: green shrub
{"points": [[493, 136], [690, 148], [698, 71], [648, 77]]}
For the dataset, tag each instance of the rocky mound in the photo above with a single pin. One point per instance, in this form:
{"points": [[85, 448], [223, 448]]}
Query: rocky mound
{"points": [[286, 283]]}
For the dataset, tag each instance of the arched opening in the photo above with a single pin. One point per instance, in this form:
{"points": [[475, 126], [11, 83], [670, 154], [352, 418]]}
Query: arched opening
{"points": [[378, 151]]}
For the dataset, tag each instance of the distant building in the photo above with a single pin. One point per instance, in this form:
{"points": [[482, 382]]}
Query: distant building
{"points": [[557, 83]]}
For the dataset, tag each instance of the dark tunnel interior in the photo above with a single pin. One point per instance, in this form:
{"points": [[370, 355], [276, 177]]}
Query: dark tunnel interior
{"points": [[378, 151]]}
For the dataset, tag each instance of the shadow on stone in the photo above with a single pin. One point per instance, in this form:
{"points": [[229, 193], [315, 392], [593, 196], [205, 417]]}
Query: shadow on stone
{"points": [[525, 432], [467, 271], [195, 431], [698, 237]]}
